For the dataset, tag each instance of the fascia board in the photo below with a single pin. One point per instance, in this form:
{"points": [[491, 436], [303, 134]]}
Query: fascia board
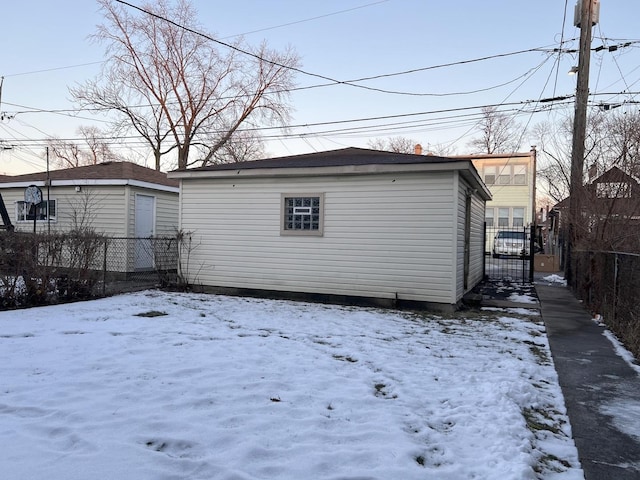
{"points": [[464, 166], [91, 182]]}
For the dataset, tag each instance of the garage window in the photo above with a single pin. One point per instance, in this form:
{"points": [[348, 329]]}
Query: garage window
{"points": [[26, 212], [302, 214]]}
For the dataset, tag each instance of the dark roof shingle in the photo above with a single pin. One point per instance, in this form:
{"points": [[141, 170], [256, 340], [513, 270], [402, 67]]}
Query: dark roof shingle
{"points": [[100, 171], [332, 158]]}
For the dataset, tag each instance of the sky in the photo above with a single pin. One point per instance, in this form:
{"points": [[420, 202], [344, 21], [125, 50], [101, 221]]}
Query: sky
{"points": [[46, 49], [158, 385]]}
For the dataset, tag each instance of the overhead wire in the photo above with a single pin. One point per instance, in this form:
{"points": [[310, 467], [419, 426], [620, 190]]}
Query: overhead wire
{"points": [[351, 83], [354, 81], [317, 17]]}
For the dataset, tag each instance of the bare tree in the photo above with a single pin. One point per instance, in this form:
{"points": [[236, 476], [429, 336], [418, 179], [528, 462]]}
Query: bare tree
{"points": [[177, 88], [611, 139], [623, 139], [83, 209], [242, 146], [499, 133], [554, 159], [394, 144], [91, 150], [610, 197]]}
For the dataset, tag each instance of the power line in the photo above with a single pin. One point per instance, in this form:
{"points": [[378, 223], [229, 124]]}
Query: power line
{"points": [[308, 19], [351, 83], [339, 122], [54, 69]]}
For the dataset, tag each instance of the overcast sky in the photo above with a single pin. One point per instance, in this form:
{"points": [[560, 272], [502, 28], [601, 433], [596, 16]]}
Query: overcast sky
{"points": [[45, 49]]}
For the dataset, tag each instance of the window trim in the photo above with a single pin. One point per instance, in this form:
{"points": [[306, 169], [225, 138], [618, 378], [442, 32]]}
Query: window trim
{"points": [[302, 233], [19, 205]]}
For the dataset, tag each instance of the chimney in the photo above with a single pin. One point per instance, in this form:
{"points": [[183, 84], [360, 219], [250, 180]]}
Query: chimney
{"points": [[417, 149]]}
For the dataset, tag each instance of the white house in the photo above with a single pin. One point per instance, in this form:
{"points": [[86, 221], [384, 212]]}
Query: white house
{"points": [[511, 178], [351, 225]]}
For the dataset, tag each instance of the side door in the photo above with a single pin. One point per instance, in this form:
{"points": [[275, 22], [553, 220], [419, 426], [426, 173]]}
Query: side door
{"points": [[145, 219]]}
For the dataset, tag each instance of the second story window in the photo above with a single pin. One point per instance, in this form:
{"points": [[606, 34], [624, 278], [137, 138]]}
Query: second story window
{"points": [[490, 175], [519, 174], [505, 174]]}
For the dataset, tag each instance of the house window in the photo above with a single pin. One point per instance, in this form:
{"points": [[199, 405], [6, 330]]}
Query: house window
{"points": [[503, 217], [302, 214], [490, 175], [518, 217], [519, 174], [26, 212], [504, 176], [488, 217]]}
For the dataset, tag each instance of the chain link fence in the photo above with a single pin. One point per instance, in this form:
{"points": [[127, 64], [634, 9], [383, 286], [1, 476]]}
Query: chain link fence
{"points": [[37, 269], [609, 285]]}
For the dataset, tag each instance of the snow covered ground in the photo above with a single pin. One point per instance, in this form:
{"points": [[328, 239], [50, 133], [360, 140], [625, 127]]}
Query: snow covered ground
{"points": [[158, 385]]}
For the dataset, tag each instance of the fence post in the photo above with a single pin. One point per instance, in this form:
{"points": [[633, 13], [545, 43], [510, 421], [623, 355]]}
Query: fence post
{"points": [[104, 269], [484, 254], [532, 243], [614, 300]]}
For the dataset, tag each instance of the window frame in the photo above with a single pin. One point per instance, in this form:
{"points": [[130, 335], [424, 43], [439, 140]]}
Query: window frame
{"points": [[513, 174], [319, 232], [512, 220], [21, 213], [489, 217], [514, 217], [519, 171], [490, 171], [502, 217]]}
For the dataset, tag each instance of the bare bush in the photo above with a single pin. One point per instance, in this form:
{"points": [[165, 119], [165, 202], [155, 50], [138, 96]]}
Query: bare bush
{"points": [[44, 268]]}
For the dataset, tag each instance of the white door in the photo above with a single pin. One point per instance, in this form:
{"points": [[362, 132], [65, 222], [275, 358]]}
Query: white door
{"points": [[144, 230]]}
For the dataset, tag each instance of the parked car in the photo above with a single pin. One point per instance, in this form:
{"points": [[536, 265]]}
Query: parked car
{"points": [[511, 243]]}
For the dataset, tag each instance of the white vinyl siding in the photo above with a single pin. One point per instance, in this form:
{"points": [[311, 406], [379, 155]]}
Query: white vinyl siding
{"points": [[476, 271], [384, 235], [166, 204], [476, 256], [101, 207]]}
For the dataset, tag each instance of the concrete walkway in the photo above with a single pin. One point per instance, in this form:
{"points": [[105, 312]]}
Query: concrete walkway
{"points": [[594, 380]]}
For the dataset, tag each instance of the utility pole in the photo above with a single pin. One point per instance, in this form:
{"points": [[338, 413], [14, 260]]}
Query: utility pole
{"points": [[586, 12]]}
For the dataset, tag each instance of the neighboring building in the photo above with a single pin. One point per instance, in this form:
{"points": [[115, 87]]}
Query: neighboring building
{"points": [[511, 178], [119, 199], [351, 225], [611, 210]]}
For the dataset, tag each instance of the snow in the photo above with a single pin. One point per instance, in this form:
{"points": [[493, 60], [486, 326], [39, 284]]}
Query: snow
{"points": [[622, 352], [624, 410], [157, 385], [555, 279], [522, 298]]}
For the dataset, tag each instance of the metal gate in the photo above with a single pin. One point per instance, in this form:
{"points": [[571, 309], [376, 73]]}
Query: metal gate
{"points": [[509, 253]]}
